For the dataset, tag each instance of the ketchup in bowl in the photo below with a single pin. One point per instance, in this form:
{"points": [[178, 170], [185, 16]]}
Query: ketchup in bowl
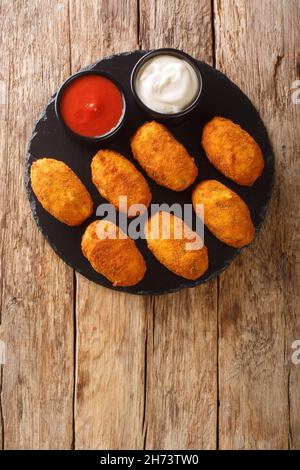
{"points": [[91, 105]]}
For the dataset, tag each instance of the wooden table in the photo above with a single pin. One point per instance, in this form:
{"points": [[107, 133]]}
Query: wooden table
{"points": [[208, 367]]}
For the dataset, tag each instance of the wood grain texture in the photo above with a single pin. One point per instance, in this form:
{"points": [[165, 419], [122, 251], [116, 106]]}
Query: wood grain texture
{"points": [[4, 79], [180, 24], [181, 382], [110, 325], [110, 373], [181, 406], [36, 286], [257, 46]]}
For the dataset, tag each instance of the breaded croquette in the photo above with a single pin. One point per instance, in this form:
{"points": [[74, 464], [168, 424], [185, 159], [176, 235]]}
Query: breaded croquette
{"points": [[164, 159], [232, 151], [60, 191], [115, 176], [118, 259], [225, 214], [173, 252]]}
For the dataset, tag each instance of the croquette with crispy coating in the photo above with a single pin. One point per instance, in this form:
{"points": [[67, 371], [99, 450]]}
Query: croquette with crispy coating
{"points": [[60, 191], [225, 214], [115, 176], [164, 159], [232, 151], [172, 251], [118, 259]]}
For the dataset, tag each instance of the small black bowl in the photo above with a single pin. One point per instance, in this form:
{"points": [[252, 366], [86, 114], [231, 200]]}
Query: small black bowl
{"points": [[180, 55], [87, 139]]}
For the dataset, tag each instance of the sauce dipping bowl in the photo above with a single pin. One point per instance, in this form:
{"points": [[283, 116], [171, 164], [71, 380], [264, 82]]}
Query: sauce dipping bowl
{"points": [[84, 138], [170, 117]]}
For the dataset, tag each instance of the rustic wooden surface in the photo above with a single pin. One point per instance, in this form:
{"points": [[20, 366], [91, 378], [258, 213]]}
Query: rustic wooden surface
{"points": [[204, 368]]}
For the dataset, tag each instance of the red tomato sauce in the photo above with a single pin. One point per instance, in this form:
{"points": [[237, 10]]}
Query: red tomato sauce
{"points": [[91, 105]]}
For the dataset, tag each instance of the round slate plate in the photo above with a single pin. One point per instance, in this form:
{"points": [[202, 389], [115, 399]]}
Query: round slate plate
{"points": [[220, 97]]}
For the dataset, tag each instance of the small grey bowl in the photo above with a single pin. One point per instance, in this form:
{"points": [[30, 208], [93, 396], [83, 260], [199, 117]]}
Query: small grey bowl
{"points": [[80, 137], [165, 116]]}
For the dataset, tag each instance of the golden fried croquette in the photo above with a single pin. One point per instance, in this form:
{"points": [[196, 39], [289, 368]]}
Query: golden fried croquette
{"points": [[225, 214], [164, 159], [115, 176], [232, 151], [60, 191], [117, 259], [173, 251]]}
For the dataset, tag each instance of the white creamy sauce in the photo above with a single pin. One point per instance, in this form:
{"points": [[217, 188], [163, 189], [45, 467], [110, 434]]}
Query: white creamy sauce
{"points": [[167, 84]]}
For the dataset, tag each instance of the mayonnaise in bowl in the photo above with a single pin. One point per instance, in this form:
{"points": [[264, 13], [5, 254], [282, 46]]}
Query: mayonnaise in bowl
{"points": [[167, 84]]}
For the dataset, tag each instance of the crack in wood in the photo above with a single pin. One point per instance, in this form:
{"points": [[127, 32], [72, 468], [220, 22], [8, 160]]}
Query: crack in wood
{"points": [[138, 24], [286, 363], [290, 436], [144, 427], [149, 318], [70, 43], [213, 33], [275, 74]]}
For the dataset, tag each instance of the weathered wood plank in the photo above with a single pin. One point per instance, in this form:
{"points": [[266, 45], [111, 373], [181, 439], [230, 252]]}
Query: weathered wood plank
{"points": [[110, 325], [36, 287], [181, 410], [4, 79], [257, 45]]}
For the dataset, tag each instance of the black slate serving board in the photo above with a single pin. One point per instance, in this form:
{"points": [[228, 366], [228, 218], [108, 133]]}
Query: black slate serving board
{"points": [[220, 97]]}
